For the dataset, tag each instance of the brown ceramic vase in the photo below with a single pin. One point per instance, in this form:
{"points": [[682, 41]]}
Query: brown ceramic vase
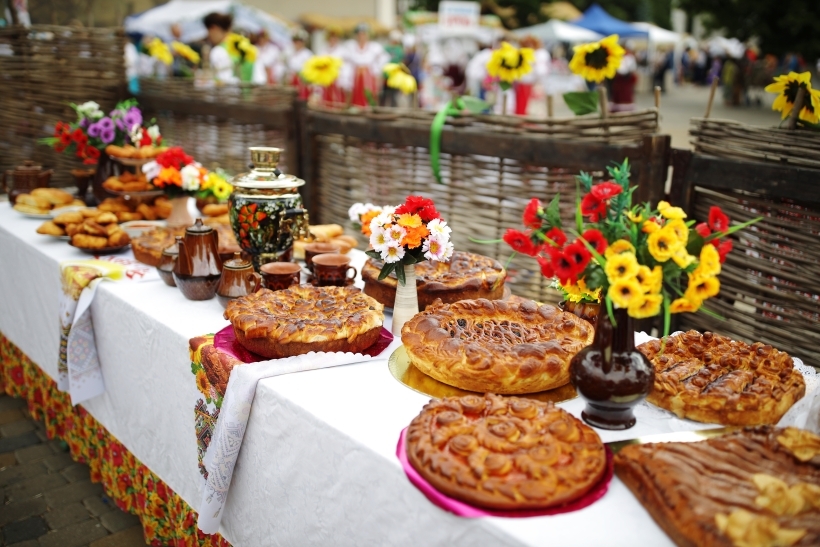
{"points": [[611, 375]]}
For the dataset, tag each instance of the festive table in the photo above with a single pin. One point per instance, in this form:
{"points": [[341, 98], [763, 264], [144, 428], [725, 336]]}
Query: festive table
{"points": [[317, 464]]}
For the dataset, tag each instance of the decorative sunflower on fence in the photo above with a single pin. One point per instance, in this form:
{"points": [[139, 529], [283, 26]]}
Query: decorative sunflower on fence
{"points": [[787, 87], [399, 77], [186, 52], [240, 47], [157, 49], [321, 70], [508, 63], [597, 61]]}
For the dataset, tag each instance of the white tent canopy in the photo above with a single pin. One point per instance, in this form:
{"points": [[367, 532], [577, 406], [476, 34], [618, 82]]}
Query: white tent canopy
{"points": [[558, 31], [188, 14], [658, 35]]}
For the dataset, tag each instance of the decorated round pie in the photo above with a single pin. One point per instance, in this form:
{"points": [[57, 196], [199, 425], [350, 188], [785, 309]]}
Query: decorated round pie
{"points": [[714, 379], [505, 452], [304, 318], [466, 276], [493, 346]]}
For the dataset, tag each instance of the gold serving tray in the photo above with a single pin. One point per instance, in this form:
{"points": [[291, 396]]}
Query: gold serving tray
{"points": [[403, 371], [677, 437]]}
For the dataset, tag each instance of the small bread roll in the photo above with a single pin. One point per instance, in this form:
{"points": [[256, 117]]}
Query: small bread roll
{"points": [[147, 211], [88, 241], [126, 217], [134, 186], [106, 218], [77, 203], [118, 238], [326, 232], [90, 212], [34, 201], [92, 228], [114, 205], [72, 217], [50, 229], [55, 196], [215, 209], [128, 176], [30, 209]]}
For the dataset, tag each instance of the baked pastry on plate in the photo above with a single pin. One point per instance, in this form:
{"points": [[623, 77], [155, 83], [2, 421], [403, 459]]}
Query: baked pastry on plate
{"points": [[504, 452], [304, 318], [466, 276], [714, 379], [492, 346], [753, 487]]}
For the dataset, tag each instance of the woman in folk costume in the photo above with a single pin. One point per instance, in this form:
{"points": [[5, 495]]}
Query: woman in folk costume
{"points": [[296, 60], [219, 26], [366, 59], [540, 69], [337, 92]]}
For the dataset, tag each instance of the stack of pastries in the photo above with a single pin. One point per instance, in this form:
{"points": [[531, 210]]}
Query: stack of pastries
{"points": [[41, 201], [127, 210], [87, 228]]}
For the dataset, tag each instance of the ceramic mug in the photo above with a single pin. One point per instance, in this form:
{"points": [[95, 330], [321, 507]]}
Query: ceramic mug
{"points": [[333, 269], [281, 275], [315, 249]]}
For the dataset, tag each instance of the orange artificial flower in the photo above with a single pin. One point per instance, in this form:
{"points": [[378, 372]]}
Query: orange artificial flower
{"points": [[168, 176], [415, 235], [366, 218], [409, 221]]}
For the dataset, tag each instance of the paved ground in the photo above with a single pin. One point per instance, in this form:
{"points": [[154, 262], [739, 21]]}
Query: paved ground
{"points": [[47, 499]]}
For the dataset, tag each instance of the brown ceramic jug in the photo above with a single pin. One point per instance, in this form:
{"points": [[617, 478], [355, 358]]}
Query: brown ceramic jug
{"points": [[167, 262], [25, 178], [238, 279], [198, 267]]}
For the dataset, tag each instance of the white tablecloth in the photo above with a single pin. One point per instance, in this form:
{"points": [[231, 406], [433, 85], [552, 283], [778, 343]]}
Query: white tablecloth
{"points": [[318, 463]]}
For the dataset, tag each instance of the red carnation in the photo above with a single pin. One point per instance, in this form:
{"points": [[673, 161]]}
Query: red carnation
{"points": [[557, 235], [146, 139], [596, 239], [174, 157], [593, 207], [546, 266], [421, 206], [531, 219], [520, 242], [92, 154], [65, 139], [724, 248], [80, 150], [718, 221], [703, 230], [77, 135], [579, 254], [606, 190]]}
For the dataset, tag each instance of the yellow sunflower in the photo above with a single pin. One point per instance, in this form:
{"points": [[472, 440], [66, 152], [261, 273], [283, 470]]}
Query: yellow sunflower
{"points": [[202, 383], [634, 217], [672, 213], [701, 288], [239, 46], [650, 226], [321, 70], [664, 243], [508, 63], [650, 280], [222, 189], [648, 305], [399, 77], [621, 266], [185, 51], [619, 247], [597, 61], [682, 258], [709, 262], [623, 291], [683, 305], [578, 292], [786, 87], [160, 51]]}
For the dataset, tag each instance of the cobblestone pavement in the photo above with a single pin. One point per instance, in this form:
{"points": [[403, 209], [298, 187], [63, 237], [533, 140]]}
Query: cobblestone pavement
{"points": [[46, 498]]}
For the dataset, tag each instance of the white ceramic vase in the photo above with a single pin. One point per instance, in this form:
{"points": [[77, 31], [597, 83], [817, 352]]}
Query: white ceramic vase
{"points": [[407, 300], [180, 216]]}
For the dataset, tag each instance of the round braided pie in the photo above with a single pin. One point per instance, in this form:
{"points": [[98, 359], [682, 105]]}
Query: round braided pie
{"points": [[504, 452], [714, 379], [493, 346], [465, 276], [304, 318]]}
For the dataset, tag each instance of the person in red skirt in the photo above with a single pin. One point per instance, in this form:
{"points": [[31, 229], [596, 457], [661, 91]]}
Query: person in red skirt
{"points": [[623, 85], [336, 94], [540, 69], [296, 60], [366, 59]]}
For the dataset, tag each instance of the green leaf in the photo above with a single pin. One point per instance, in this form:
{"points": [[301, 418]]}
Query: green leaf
{"points": [[667, 315], [733, 229], [474, 104], [609, 311], [553, 211], [595, 277], [710, 313], [509, 260], [504, 85], [400, 273], [387, 269], [373, 254], [695, 243], [369, 96], [582, 102], [435, 141]]}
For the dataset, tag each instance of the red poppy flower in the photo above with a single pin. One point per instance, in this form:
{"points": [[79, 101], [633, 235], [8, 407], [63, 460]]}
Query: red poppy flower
{"points": [[557, 235], [531, 219], [80, 150], [596, 239], [565, 269], [579, 254], [703, 230], [146, 139], [718, 221], [606, 190], [546, 266], [77, 135], [521, 242], [593, 207], [92, 152], [724, 248], [65, 139], [174, 157], [59, 147], [421, 206]]}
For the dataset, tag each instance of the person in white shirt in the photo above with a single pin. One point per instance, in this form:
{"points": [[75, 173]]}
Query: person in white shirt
{"points": [[367, 59], [219, 25], [268, 58], [337, 93], [296, 59], [538, 74], [623, 84]]}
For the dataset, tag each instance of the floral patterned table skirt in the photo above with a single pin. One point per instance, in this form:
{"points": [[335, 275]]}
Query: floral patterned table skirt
{"points": [[166, 518]]}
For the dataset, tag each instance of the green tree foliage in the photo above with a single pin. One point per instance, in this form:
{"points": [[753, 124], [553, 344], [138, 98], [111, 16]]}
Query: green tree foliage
{"points": [[783, 26]]}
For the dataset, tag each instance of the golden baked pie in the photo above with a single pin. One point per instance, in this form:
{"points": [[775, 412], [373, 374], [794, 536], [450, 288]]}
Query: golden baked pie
{"points": [[466, 276], [304, 318], [744, 489], [714, 379], [492, 346], [149, 246], [504, 452]]}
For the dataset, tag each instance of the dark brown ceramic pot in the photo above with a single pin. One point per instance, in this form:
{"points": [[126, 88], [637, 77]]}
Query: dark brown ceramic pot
{"points": [[238, 279], [25, 178], [167, 261], [611, 375], [198, 268]]}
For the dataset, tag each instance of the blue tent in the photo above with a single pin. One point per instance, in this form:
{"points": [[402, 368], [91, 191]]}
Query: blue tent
{"points": [[596, 18]]}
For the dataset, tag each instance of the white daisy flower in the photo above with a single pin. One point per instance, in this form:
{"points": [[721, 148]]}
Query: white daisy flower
{"points": [[190, 177], [151, 170], [393, 252], [448, 252], [439, 227], [382, 219], [379, 239], [396, 232], [355, 212], [153, 132]]}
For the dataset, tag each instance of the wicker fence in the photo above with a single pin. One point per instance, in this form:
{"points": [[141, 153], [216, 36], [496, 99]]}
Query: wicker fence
{"points": [[44, 68]]}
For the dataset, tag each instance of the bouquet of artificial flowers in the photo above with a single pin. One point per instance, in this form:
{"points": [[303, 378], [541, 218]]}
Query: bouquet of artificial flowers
{"points": [[642, 258], [175, 172], [404, 235]]}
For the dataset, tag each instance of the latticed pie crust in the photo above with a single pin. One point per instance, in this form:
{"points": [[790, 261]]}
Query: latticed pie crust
{"points": [[304, 318], [492, 346], [714, 379], [465, 276], [504, 452]]}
